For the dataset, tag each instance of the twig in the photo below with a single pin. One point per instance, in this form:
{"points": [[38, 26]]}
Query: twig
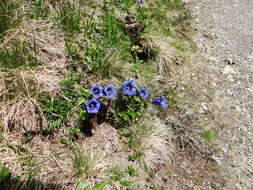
{"points": [[25, 85], [56, 161]]}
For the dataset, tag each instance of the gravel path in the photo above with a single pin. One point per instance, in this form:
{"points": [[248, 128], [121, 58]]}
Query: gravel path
{"points": [[225, 41]]}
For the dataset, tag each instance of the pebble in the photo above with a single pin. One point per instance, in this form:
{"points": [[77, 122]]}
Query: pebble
{"points": [[250, 57], [217, 160], [228, 70], [230, 78]]}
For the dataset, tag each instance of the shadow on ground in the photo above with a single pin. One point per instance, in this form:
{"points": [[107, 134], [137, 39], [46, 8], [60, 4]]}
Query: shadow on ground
{"points": [[14, 183]]}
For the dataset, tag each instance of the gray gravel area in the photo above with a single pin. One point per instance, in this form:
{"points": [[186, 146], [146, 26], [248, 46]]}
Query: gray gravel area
{"points": [[225, 40]]}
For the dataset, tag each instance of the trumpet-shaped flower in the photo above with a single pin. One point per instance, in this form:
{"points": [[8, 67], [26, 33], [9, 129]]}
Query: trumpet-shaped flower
{"points": [[129, 88], [139, 1], [160, 102], [96, 91], [110, 91], [92, 106], [143, 93]]}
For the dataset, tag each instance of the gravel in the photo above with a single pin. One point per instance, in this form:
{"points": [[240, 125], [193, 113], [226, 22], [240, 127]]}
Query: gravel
{"points": [[225, 41]]}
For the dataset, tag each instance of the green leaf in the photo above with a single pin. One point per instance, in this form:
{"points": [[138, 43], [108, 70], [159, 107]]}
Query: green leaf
{"points": [[101, 185], [83, 91], [131, 171], [83, 115], [155, 188], [81, 101], [4, 173], [137, 99], [133, 114], [121, 132], [135, 156], [123, 115], [113, 110]]}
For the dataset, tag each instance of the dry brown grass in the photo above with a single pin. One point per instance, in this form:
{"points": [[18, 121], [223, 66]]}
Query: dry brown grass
{"points": [[21, 117], [19, 109], [168, 59], [44, 43], [154, 140], [49, 162], [157, 147], [17, 84], [20, 88]]}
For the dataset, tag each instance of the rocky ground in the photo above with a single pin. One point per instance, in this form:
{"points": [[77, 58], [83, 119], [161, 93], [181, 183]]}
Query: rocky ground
{"points": [[225, 57]]}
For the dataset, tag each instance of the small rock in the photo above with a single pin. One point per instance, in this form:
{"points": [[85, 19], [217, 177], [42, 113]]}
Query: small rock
{"points": [[251, 88], [228, 70], [213, 59], [230, 78], [204, 106], [250, 57], [203, 109]]}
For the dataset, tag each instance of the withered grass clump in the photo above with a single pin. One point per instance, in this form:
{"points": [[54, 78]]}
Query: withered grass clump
{"points": [[22, 116], [151, 139], [17, 84]]}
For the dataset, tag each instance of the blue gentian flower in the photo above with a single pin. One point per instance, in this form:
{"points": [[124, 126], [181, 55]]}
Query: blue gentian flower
{"points": [[96, 91], [143, 93], [92, 106], [139, 1], [160, 102], [129, 88], [110, 91]]}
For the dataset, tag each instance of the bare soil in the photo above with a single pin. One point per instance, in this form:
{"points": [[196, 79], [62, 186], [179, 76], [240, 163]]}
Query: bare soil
{"points": [[224, 75]]}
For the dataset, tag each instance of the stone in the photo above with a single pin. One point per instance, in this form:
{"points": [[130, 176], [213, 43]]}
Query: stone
{"points": [[228, 70]]}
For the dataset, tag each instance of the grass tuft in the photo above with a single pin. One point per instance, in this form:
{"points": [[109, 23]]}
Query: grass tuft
{"points": [[82, 163], [209, 135], [39, 9], [148, 140], [70, 16], [56, 111], [10, 15], [13, 60], [18, 85], [87, 164]]}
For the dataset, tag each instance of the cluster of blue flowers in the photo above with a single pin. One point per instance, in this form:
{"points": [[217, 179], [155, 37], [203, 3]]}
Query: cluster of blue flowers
{"points": [[97, 91], [129, 88]]}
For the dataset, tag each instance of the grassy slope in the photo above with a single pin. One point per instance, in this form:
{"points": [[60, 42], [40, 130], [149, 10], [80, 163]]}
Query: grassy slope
{"points": [[52, 52]]}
